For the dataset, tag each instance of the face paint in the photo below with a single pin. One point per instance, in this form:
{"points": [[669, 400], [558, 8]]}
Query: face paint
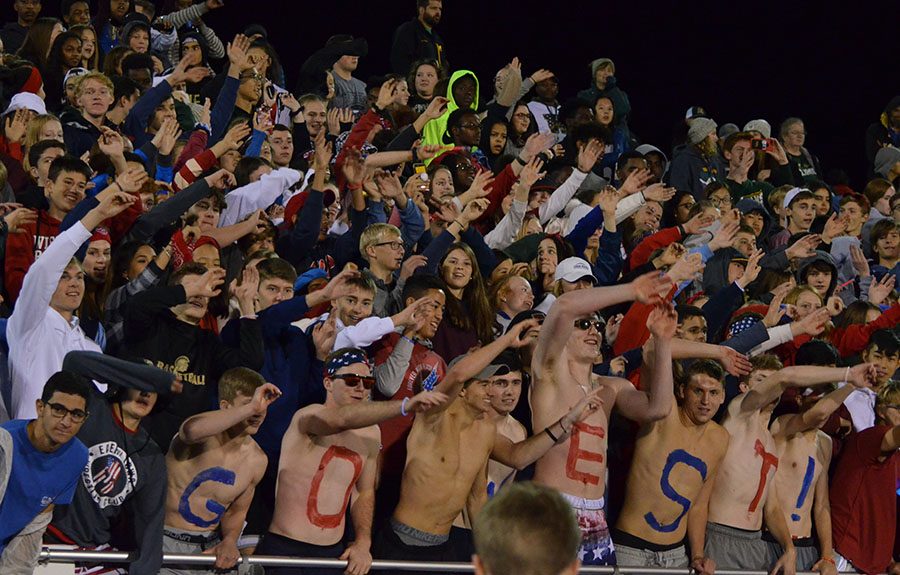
{"points": [[769, 460], [804, 489]]}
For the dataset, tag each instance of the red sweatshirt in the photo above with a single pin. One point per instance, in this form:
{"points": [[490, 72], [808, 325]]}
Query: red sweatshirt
{"points": [[661, 239], [634, 333], [853, 339], [24, 247]]}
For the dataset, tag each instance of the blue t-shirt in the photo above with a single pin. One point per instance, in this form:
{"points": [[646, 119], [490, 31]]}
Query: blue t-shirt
{"points": [[36, 479]]}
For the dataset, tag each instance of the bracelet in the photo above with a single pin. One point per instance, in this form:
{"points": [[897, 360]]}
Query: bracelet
{"points": [[847, 375], [520, 160], [550, 434], [403, 406], [415, 152], [354, 187], [828, 560], [561, 426]]}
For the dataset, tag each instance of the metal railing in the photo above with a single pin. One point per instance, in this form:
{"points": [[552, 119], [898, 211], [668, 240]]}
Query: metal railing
{"points": [[61, 556]]}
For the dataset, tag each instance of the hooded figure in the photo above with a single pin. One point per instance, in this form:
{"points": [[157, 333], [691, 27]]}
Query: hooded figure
{"points": [[645, 149], [884, 132], [820, 261], [715, 274], [748, 206], [435, 129], [621, 105]]}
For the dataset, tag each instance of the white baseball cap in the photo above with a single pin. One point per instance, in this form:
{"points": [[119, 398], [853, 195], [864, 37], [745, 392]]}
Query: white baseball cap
{"points": [[573, 269], [28, 101]]}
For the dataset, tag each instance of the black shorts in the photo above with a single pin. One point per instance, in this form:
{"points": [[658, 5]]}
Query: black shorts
{"points": [[462, 543], [279, 545], [387, 545], [259, 515]]}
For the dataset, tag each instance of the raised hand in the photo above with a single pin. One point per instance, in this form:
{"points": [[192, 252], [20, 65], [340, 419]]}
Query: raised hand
{"points": [[805, 247], [111, 142], [290, 102], [697, 224], [751, 271], [734, 362], [724, 236], [658, 192], [687, 267], [834, 227], [587, 406], [18, 218], [480, 184], [776, 312], [879, 290], [332, 120], [168, 134], [426, 152], [132, 180], [834, 305], [436, 108], [673, 252], [354, 167], [411, 264], [814, 323], [262, 121], [537, 143], [15, 126], [324, 335], [388, 184], [204, 113], [663, 321], [531, 173], [474, 210], [608, 200], [650, 287], [324, 149], [863, 375], [635, 182], [859, 261], [518, 335], [235, 136], [221, 180], [264, 396], [248, 290], [339, 286], [237, 53], [425, 400], [541, 75], [588, 156], [207, 285], [413, 313], [386, 94], [114, 204]]}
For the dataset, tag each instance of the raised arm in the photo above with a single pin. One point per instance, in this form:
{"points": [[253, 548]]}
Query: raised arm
{"points": [[818, 415], [571, 306], [211, 423], [655, 403], [769, 389], [891, 441], [331, 420]]}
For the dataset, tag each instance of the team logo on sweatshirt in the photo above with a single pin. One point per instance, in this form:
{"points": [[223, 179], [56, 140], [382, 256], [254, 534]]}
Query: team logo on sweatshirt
{"points": [[110, 475]]}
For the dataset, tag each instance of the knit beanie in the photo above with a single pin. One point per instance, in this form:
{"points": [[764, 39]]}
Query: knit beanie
{"points": [[600, 62], [700, 129], [885, 160], [760, 126]]}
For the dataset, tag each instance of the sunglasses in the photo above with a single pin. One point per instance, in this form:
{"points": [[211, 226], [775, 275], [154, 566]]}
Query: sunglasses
{"points": [[353, 380], [585, 324]]}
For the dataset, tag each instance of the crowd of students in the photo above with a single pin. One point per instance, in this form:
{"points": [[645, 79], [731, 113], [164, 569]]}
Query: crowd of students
{"points": [[334, 322]]}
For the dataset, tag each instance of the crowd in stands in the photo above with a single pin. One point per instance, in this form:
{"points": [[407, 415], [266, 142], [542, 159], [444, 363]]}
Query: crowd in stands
{"points": [[333, 317]]}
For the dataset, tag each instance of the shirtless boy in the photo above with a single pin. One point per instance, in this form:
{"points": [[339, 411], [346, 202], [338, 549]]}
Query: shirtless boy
{"points": [[447, 456], [804, 456], [214, 466], [567, 347], [671, 477], [329, 454], [744, 492]]}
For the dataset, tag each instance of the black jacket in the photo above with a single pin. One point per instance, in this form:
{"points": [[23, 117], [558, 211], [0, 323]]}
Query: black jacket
{"points": [[153, 334], [413, 42]]}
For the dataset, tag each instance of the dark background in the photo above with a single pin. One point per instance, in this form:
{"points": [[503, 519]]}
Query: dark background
{"points": [[834, 65]]}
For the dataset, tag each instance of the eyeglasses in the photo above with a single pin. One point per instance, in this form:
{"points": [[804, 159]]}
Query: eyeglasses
{"points": [[353, 380], [60, 411], [394, 245], [720, 201], [585, 324]]}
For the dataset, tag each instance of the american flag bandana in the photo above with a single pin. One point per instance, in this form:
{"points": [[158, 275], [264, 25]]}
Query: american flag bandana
{"points": [[347, 357], [742, 324]]}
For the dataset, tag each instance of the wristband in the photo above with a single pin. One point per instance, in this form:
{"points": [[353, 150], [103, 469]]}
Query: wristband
{"points": [[520, 160], [828, 560], [403, 406], [205, 127], [353, 187], [550, 434]]}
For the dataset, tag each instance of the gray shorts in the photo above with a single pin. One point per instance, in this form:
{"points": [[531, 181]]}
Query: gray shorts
{"points": [[191, 543], [807, 555], [632, 557], [734, 548]]}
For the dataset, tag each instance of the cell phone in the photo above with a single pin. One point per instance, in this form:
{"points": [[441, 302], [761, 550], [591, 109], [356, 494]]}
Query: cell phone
{"points": [[759, 143]]}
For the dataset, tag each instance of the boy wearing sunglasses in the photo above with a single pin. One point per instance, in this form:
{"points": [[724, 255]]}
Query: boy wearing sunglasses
{"points": [[329, 453]]}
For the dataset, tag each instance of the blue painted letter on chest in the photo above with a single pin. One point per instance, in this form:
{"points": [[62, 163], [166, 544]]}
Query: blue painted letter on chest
{"points": [[677, 456], [217, 474]]}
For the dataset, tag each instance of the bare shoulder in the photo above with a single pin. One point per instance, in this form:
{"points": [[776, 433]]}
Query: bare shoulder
{"points": [[719, 436], [825, 443]]}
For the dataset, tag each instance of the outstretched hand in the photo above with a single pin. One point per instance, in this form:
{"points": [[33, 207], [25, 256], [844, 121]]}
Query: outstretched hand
{"points": [[650, 287], [663, 321], [425, 400], [264, 396]]}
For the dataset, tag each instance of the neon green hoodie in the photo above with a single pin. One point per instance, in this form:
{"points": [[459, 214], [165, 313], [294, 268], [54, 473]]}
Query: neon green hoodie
{"points": [[433, 133]]}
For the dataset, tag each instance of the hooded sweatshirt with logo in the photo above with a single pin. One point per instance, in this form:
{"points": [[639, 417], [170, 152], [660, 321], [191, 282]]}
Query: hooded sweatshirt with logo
{"points": [[433, 133], [23, 248], [124, 469]]}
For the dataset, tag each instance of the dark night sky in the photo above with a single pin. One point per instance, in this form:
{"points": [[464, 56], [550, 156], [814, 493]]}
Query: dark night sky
{"points": [[834, 65]]}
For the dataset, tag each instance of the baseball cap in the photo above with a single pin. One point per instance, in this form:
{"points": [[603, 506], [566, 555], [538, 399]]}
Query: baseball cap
{"points": [[695, 112], [573, 269], [295, 204], [496, 368], [28, 101], [793, 193]]}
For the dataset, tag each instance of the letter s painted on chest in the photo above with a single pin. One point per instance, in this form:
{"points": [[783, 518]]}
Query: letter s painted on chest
{"points": [[674, 458], [216, 474]]}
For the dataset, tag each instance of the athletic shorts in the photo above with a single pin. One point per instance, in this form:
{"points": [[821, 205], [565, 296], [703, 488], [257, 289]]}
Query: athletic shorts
{"points": [[420, 546], [733, 548], [279, 545], [596, 543]]}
